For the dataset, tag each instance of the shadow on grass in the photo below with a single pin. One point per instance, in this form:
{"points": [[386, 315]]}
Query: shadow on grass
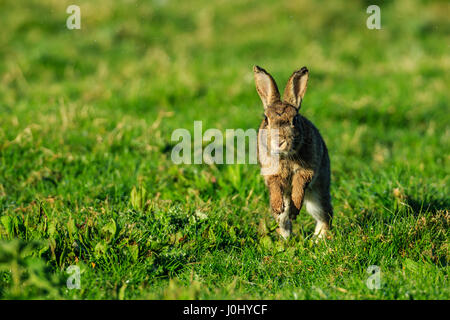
{"points": [[415, 207], [413, 223], [432, 205]]}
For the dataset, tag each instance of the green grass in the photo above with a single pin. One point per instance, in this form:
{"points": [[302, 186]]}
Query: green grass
{"points": [[86, 117]]}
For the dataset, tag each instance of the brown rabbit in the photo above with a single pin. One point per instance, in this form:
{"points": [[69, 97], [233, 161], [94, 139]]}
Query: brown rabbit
{"points": [[294, 151]]}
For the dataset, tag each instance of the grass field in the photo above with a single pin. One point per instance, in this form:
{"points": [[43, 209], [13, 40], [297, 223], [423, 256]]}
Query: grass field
{"points": [[86, 176]]}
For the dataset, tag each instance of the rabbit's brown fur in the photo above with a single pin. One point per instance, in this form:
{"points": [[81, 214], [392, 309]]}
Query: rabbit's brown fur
{"points": [[302, 173]]}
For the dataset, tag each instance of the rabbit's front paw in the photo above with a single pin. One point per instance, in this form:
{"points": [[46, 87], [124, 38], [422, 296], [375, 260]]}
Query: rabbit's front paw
{"points": [[285, 233], [276, 203]]}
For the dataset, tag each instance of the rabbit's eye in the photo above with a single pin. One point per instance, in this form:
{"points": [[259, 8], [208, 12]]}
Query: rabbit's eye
{"points": [[294, 121]]}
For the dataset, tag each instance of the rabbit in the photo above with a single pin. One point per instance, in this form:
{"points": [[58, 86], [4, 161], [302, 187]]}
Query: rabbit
{"points": [[295, 146]]}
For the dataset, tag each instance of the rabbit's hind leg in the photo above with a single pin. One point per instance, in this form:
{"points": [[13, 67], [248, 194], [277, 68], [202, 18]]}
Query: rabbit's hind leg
{"points": [[318, 205]]}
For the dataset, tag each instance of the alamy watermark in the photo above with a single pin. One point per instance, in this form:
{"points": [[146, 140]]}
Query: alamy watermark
{"points": [[74, 20], [231, 151], [373, 282], [374, 20], [74, 280]]}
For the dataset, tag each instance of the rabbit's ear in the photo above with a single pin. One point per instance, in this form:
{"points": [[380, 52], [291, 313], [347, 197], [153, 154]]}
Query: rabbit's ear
{"points": [[296, 87], [266, 86]]}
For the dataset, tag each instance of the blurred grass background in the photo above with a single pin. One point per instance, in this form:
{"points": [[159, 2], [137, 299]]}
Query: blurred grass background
{"points": [[86, 115]]}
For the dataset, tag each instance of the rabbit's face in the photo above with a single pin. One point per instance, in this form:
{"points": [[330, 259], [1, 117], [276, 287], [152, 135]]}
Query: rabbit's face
{"points": [[282, 118], [282, 122]]}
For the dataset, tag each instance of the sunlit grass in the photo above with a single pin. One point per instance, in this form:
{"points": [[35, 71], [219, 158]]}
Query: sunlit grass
{"points": [[86, 116]]}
